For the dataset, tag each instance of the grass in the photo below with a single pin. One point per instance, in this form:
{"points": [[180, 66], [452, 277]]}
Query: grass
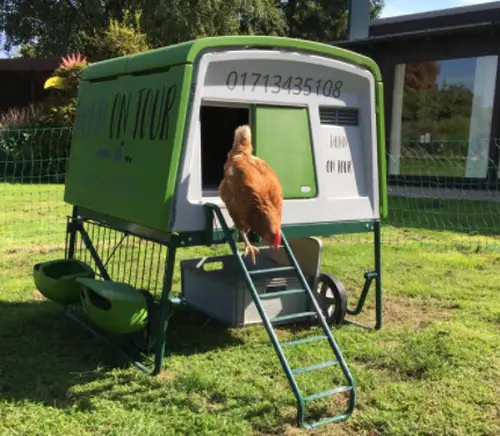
{"points": [[434, 369], [429, 165], [468, 218]]}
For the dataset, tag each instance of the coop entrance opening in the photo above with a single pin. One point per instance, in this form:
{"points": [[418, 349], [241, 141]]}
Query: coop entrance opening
{"points": [[217, 129]]}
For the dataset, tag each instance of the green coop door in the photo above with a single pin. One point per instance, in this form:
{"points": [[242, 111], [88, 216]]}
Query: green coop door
{"points": [[283, 139]]}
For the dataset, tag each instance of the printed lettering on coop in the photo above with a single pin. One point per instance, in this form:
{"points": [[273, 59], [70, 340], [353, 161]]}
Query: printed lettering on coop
{"points": [[142, 114]]}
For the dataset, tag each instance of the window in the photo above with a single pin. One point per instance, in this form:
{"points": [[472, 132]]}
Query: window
{"points": [[441, 118]]}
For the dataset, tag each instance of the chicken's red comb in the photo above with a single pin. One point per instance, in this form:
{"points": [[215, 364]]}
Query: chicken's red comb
{"points": [[70, 60], [276, 238]]}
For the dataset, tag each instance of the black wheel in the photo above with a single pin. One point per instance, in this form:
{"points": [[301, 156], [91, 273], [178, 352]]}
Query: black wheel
{"points": [[332, 298]]}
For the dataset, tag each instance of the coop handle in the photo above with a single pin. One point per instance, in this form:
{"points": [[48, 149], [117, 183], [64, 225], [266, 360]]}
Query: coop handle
{"points": [[210, 260]]}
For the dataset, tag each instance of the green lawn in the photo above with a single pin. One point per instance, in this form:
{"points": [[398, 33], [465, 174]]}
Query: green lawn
{"points": [[434, 369], [449, 222], [429, 165]]}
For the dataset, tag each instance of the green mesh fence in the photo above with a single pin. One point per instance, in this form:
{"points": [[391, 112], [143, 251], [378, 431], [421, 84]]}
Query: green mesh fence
{"points": [[32, 172], [422, 211], [445, 193]]}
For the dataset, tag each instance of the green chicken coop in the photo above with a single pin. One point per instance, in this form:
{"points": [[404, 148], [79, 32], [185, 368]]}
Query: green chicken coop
{"points": [[150, 139]]}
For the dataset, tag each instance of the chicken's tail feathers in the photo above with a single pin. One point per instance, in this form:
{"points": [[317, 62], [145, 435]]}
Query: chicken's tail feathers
{"points": [[242, 136]]}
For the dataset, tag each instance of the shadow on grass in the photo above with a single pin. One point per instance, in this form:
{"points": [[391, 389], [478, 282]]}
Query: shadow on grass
{"points": [[191, 332], [44, 354]]}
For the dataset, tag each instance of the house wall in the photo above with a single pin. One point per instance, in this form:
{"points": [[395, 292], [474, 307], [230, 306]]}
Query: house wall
{"points": [[21, 88], [22, 80]]}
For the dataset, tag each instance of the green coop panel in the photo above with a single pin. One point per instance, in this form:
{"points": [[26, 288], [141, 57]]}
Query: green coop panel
{"points": [[283, 140], [126, 145]]}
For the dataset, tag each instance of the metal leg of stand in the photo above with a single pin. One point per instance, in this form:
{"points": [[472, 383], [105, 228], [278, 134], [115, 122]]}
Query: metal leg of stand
{"points": [[378, 279], [165, 309]]}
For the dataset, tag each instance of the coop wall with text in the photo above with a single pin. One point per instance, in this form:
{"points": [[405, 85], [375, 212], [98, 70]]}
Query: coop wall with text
{"points": [[124, 145], [340, 101]]}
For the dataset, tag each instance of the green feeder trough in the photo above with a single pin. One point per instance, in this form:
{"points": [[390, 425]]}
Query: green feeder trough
{"points": [[114, 306], [56, 279]]}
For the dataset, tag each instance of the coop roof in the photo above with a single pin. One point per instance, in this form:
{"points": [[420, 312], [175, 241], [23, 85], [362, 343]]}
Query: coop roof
{"points": [[187, 53]]}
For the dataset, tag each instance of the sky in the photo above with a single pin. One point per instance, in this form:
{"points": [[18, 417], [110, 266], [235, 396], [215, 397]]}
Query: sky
{"points": [[404, 7]]}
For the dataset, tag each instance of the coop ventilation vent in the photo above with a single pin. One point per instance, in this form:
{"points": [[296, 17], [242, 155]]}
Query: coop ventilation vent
{"points": [[335, 116]]}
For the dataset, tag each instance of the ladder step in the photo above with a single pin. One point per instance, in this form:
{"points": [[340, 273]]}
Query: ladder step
{"points": [[268, 247], [270, 295], [303, 341], [310, 368], [327, 393], [337, 418], [259, 272], [371, 275], [292, 316]]}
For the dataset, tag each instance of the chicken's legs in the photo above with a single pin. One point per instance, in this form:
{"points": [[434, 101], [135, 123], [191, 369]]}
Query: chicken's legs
{"points": [[249, 248]]}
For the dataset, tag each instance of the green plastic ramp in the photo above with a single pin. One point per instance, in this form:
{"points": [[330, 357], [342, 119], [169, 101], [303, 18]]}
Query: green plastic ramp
{"points": [[291, 373]]}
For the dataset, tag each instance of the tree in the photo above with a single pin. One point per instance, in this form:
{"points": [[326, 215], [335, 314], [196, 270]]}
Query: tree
{"points": [[119, 38], [440, 109], [321, 20], [421, 76], [53, 28], [172, 21], [48, 27]]}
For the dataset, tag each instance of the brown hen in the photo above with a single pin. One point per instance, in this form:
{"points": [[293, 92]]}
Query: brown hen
{"points": [[252, 193]]}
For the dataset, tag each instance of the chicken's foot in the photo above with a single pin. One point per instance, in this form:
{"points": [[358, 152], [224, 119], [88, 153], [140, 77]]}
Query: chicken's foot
{"points": [[249, 248]]}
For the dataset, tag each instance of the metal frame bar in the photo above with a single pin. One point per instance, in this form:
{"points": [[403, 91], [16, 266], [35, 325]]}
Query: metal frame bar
{"points": [[67, 312], [165, 309], [93, 252], [369, 278]]}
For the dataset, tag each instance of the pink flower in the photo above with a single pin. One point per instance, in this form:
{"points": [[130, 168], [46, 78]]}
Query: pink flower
{"points": [[70, 60]]}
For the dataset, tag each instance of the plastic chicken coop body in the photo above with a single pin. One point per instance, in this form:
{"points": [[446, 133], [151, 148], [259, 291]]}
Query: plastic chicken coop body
{"points": [[153, 130]]}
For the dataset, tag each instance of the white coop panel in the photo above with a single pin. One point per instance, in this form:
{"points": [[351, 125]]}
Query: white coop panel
{"points": [[338, 99]]}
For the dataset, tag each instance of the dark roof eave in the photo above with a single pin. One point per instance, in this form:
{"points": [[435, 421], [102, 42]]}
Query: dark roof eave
{"points": [[466, 28], [29, 64]]}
